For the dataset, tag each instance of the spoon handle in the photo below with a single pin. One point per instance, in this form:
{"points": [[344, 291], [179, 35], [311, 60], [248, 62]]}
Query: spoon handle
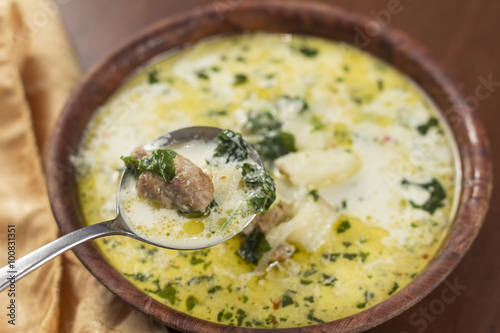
{"points": [[18, 269]]}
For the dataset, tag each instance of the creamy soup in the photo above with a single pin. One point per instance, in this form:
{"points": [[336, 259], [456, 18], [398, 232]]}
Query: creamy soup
{"points": [[364, 167]]}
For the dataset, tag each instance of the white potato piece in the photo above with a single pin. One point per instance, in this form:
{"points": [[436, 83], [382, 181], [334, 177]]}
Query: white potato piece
{"points": [[318, 168], [308, 228], [319, 218]]}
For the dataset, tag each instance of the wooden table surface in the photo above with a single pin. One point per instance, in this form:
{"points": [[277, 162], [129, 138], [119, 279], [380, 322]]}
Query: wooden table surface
{"points": [[462, 35]]}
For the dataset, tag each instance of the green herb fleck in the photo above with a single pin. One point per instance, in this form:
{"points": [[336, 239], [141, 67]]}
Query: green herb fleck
{"points": [[139, 276], [212, 113], [245, 299], [331, 256], [191, 302], [240, 79], [346, 244], [311, 317], [394, 288], [350, 256], [308, 51], [240, 316], [310, 272], [202, 75], [309, 299], [314, 194], [214, 289], [436, 198], [254, 247], [200, 279], [363, 256], [153, 77], [343, 226], [380, 85], [286, 301], [305, 282], [271, 320], [196, 261], [432, 122], [168, 292]]}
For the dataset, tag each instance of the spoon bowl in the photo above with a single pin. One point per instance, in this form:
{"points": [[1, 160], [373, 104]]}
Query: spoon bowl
{"points": [[118, 225]]}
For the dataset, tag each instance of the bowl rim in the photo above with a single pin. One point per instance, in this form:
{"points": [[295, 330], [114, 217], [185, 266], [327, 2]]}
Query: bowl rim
{"points": [[466, 128]]}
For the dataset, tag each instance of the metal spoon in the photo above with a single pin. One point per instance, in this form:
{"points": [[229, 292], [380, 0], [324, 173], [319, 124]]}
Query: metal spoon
{"points": [[118, 225]]}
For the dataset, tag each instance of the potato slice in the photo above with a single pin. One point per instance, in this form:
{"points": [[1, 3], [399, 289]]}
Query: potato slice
{"points": [[309, 228], [318, 168]]}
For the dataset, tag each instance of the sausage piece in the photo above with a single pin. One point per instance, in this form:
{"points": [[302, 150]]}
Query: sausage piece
{"points": [[191, 190]]}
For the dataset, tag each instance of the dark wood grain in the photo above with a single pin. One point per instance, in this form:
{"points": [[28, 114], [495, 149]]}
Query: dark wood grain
{"points": [[457, 33]]}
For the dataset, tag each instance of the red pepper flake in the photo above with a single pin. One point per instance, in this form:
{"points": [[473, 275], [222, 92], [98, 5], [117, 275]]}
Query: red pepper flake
{"points": [[275, 322], [386, 138], [223, 177], [399, 274], [425, 256], [276, 305]]}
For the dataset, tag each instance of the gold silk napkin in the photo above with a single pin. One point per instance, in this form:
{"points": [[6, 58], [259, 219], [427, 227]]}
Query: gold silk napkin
{"points": [[38, 69]]}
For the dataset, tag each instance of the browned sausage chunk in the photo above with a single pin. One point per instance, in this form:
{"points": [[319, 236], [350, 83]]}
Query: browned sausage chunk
{"points": [[269, 220], [191, 190]]}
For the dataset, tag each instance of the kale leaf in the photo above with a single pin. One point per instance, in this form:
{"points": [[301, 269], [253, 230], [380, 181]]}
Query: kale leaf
{"points": [[161, 163], [424, 128], [275, 144], [258, 177], [261, 123], [254, 247], [436, 198], [231, 146]]}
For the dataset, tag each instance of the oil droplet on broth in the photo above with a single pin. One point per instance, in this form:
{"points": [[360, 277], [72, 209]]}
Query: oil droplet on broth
{"points": [[194, 227]]}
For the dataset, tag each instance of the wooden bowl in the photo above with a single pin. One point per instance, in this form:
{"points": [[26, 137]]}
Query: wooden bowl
{"points": [[296, 18]]}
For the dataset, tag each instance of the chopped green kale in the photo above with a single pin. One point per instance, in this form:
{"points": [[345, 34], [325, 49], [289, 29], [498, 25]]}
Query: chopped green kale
{"points": [[432, 122], [202, 75], [161, 163], [394, 288], [286, 301], [196, 261], [314, 194], [275, 144], [350, 256], [311, 317], [191, 302], [214, 289], [153, 77], [200, 279], [331, 256], [308, 51], [437, 195], [254, 247], [343, 226], [167, 292], [231, 146], [258, 177], [240, 316], [139, 276], [240, 79], [261, 123]]}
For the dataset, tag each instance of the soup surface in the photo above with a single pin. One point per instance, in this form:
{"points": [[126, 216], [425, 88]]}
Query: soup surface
{"points": [[364, 170]]}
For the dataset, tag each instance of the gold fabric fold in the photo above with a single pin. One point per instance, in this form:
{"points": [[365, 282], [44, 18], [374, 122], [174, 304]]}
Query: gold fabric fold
{"points": [[38, 70]]}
